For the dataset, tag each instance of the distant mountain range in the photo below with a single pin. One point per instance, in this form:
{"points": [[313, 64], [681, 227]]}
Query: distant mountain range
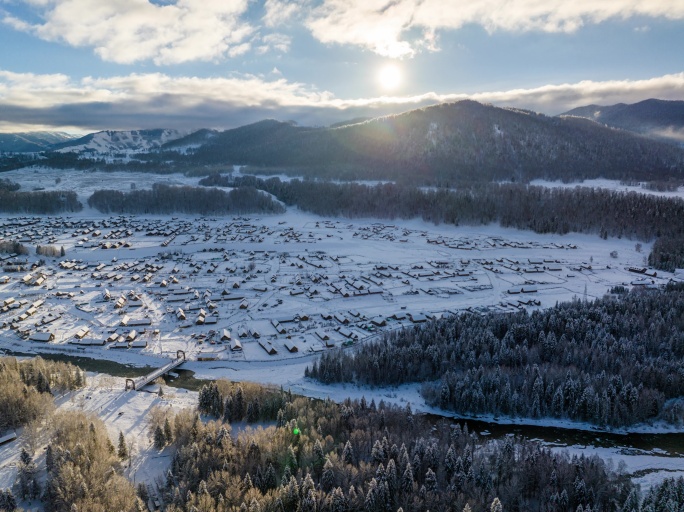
{"points": [[654, 118], [32, 141], [444, 143], [126, 142]]}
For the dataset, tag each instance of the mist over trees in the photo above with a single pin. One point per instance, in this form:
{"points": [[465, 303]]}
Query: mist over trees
{"points": [[323, 456], [165, 199], [612, 362]]}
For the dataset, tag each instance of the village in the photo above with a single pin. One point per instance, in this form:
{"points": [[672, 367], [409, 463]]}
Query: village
{"points": [[292, 286]]}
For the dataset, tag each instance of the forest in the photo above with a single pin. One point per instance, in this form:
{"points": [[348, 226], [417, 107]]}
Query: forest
{"points": [[165, 199], [316, 455], [39, 202], [616, 361], [26, 388], [249, 447], [539, 209]]}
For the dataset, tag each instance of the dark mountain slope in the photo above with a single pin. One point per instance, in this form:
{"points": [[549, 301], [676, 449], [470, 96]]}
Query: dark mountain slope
{"points": [[449, 142], [655, 118]]}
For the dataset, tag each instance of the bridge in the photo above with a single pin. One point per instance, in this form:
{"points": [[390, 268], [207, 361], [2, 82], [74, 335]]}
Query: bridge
{"points": [[141, 382]]}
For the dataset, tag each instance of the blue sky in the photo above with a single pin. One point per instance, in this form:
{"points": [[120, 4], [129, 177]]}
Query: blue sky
{"points": [[85, 65]]}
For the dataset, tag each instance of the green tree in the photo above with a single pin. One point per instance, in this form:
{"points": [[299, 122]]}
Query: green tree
{"points": [[122, 451]]}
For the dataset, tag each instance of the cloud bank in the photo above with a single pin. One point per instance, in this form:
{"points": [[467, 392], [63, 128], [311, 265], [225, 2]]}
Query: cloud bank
{"points": [[158, 100], [178, 31], [384, 27]]}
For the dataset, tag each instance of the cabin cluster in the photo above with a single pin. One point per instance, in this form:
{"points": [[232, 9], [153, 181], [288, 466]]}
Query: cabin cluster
{"points": [[251, 289]]}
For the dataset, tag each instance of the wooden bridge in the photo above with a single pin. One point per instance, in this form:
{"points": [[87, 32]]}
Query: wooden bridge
{"points": [[143, 381]]}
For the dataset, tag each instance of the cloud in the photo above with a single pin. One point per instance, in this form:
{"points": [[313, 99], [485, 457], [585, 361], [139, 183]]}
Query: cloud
{"points": [[128, 31], [277, 42], [157, 100], [177, 31], [399, 28], [279, 12]]}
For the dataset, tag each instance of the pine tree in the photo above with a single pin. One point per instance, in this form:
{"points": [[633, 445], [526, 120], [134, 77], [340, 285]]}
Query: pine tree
{"points": [[122, 452], [159, 438], [168, 432], [496, 506], [431, 480], [270, 481], [348, 453], [328, 476], [407, 480]]}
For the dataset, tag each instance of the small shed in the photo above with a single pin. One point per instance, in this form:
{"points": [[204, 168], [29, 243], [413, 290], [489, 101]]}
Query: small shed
{"points": [[235, 345]]}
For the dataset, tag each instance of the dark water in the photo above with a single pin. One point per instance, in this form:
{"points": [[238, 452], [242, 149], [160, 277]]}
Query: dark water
{"points": [[661, 444]]}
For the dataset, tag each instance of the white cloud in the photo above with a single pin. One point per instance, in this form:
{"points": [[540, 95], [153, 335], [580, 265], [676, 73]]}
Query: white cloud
{"points": [[279, 12], [389, 27], [274, 42], [127, 31], [158, 100]]}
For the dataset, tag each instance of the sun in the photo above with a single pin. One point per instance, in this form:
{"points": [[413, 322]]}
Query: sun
{"points": [[389, 77]]}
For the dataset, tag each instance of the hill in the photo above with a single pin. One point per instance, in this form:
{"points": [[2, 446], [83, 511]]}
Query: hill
{"points": [[31, 142], [659, 119], [451, 142], [107, 142]]}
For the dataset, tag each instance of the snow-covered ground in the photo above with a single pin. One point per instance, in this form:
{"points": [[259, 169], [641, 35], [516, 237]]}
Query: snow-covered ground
{"points": [[311, 274], [615, 185]]}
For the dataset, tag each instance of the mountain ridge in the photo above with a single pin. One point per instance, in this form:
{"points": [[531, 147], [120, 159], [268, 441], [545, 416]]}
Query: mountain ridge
{"points": [[659, 119], [31, 142]]}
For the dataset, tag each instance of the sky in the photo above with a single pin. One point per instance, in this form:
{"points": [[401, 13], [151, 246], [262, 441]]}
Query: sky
{"points": [[88, 65]]}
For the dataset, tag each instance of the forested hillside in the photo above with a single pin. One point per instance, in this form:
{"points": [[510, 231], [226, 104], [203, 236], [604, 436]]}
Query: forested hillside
{"points": [[323, 456], [163, 199], [611, 362], [656, 118], [449, 143]]}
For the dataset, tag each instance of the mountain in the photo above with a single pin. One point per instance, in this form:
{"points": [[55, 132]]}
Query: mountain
{"points": [[659, 119], [191, 141], [32, 141], [128, 142], [465, 140]]}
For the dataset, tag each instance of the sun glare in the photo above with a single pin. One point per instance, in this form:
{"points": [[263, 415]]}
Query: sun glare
{"points": [[389, 77]]}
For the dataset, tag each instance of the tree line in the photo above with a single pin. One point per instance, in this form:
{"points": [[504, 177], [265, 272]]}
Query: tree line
{"points": [[40, 202], [323, 456], [165, 199], [611, 362]]}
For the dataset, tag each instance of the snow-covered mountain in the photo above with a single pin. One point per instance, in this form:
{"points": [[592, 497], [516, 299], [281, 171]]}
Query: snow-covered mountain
{"points": [[128, 142], [30, 142]]}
